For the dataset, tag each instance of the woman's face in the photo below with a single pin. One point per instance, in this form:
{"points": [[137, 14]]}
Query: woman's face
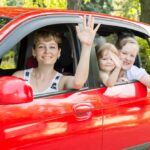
{"points": [[128, 54], [105, 62], [46, 52]]}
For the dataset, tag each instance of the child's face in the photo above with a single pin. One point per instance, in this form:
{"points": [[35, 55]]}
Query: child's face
{"points": [[128, 54], [105, 62], [46, 52]]}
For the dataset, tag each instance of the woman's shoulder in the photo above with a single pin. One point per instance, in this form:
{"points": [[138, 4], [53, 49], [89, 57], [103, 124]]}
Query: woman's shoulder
{"points": [[20, 73]]}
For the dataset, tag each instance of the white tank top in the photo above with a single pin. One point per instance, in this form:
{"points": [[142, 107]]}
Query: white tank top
{"points": [[53, 87]]}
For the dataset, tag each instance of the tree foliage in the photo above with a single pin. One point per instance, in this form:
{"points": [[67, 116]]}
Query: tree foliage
{"points": [[127, 8], [76, 4], [57, 4], [104, 6], [145, 11], [144, 54]]}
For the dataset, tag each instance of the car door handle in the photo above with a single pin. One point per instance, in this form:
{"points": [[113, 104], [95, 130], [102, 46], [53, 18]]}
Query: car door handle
{"points": [[83, 111]]}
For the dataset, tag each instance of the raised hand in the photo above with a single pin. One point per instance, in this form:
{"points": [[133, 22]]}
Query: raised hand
{"points": [[87, 34], [116, 60]]}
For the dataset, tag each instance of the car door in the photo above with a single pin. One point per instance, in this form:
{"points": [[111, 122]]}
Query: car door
{"points": [[126, 106], [63, 120]]}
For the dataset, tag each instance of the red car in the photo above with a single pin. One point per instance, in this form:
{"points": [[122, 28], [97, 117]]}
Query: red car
{"points": [[93, 118]]}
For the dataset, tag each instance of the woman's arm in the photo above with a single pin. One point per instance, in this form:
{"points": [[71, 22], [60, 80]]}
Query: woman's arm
{"points": [[86, 37], [18, 74]]}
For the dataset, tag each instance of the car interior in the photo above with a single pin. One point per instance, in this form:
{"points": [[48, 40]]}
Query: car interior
{"points": [[23, 53], [111, 34]]}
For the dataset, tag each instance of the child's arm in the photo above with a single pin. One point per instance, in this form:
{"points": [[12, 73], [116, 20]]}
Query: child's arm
{"points": [[104, 77], [113, 76], [145, 79]]}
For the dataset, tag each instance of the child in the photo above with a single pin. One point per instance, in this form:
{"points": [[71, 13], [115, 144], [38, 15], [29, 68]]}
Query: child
{"points": [[109, 64], [129, 49]]}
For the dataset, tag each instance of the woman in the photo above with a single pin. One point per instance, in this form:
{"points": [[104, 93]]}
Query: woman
{"points": [[46, 50]]}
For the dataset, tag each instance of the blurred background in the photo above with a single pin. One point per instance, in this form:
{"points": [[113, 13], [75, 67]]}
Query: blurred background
{"points": [[132, 9]]}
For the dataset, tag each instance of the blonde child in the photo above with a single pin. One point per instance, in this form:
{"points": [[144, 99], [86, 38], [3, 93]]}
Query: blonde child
{"points": [[128, 50], [109, 64]]}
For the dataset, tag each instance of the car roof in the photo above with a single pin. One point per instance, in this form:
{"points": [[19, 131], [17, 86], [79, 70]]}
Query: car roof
{"points": [[26, 13], [12, 12]]}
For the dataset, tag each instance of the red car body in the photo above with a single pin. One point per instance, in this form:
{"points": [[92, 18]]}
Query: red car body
{"points": [[93, 118]]}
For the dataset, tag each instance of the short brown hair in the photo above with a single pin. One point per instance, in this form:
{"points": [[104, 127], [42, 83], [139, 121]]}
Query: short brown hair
{"points": [[48, 35]]}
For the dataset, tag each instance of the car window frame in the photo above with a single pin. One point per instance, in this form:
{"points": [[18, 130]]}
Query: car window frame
{"points": [[38, 22], [97, 83]]}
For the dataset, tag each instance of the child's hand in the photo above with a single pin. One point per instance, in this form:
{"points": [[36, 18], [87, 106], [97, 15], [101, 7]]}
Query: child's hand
{"points": [[87, 35], [116, 60], [123, 79]]}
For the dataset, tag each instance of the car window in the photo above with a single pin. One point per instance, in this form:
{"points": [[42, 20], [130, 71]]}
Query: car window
{"points": [[106, 34], [20, 56], [10, 58], [144, 53], [9, 61]]}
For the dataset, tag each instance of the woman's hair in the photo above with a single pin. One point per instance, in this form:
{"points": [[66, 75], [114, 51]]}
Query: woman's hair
{"points": [[47, 35], [106, 47]]}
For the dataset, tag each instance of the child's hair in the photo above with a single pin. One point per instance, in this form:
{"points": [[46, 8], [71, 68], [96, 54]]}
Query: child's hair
{"points": [[122, 42], [48, 35], [106, 47]]}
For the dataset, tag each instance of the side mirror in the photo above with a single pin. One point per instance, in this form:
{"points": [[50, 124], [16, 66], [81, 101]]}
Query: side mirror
{"points": [[14, 90]]}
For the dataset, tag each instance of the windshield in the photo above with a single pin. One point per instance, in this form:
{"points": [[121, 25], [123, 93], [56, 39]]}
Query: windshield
{"points": [[4, 21]]}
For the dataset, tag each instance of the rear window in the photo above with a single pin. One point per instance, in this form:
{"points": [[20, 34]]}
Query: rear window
{"points": [[4, 21]]}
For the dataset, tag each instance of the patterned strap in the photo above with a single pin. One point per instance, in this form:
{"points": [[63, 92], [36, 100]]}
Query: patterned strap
{"points": [[55, 82], [27, 74]]}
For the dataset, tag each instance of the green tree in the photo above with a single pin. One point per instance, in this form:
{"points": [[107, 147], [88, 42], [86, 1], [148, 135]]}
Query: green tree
{"points": [[3, 2], [144, 54], [104, 6], [11, 2], [57, 4], [127, 8], [75, 4], [145, 11]]}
